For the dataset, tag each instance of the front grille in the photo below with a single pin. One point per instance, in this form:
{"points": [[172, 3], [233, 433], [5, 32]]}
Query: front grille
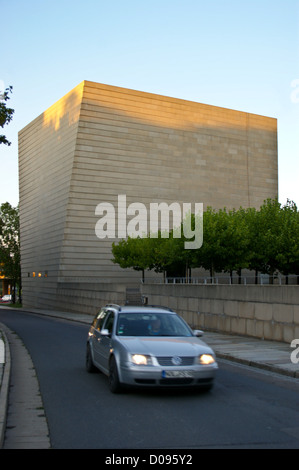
{"points": [[167, 361]]}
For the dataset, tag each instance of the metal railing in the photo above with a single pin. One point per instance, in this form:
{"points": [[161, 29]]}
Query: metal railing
{"points": [[260, 279]]}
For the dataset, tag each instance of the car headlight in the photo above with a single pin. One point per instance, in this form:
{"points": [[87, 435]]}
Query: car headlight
{"points": [[206, 359], [141, 359]]}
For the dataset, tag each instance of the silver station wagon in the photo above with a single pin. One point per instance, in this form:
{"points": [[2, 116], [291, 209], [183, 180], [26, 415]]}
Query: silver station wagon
{"points": [[148, 346]]}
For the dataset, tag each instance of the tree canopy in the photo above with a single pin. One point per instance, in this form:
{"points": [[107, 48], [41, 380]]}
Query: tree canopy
{"points": [[264, 240], [6, 114], [10, 244]]}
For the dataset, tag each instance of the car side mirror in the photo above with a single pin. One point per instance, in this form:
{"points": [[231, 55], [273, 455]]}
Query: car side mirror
{"points": [[198, 333], [105, 332]]}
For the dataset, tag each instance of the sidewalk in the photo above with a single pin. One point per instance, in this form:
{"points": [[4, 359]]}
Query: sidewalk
{"points": [[268, 355]]}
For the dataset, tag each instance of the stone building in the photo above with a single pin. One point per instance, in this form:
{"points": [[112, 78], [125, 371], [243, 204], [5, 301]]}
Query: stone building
{"points": [[99, 142]]}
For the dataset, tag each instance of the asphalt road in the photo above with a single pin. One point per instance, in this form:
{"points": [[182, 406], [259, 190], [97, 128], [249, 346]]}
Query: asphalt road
{"points": [[246, 408]]}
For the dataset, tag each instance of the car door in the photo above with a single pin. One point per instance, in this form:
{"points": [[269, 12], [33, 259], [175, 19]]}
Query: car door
{"points": [[104, 341], [97, 337]]}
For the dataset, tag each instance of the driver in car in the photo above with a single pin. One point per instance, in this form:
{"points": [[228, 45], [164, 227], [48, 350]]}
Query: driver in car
{"points": [[155, 327]]}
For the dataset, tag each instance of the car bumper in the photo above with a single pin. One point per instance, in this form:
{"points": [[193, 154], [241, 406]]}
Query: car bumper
{"points": [[168, 376]]}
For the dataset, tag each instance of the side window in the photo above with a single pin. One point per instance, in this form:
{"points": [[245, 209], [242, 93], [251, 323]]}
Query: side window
{"points": [[100, 320], [109, 322], [95, 320]]}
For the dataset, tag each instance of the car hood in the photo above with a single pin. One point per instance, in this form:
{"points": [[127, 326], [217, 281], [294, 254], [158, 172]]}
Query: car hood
{"points": [[164, 346]]}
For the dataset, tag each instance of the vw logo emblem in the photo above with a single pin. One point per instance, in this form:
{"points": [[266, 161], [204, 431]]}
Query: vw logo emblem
{"points": [[176, 360]]}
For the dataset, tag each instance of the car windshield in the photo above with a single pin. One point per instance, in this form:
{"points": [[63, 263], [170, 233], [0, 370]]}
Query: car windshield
{"points": [[151, 324]]}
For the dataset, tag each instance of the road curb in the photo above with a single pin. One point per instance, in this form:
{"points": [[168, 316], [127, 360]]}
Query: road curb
{"points": [[4, 387], [257, 365]]}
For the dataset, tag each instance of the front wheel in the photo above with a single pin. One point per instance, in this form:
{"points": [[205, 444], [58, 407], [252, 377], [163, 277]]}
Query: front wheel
{"points": [[113, 378], [90, 367]]}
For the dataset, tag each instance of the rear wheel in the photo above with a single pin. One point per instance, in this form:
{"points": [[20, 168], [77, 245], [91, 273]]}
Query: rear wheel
{"points": [[113, 378], [90, 367]]}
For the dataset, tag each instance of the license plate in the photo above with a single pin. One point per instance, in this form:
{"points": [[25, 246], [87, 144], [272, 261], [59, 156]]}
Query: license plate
{"points": [[177, 374]]}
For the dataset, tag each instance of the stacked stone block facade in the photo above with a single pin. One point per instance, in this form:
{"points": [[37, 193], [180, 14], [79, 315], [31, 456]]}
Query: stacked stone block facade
{"points": [[101, 141]]}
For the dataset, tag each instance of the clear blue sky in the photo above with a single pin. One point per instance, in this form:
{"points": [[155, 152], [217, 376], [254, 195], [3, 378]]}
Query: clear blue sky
{"points": [[238, 54]]}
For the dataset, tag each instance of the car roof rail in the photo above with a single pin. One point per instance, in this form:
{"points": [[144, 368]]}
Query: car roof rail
{"points": [[159, 306], [118, 307]]}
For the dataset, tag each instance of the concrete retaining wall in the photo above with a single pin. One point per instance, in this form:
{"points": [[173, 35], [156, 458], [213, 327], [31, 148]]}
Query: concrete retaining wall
{"points": [[80, 297], [268, 312], [88, 297]]}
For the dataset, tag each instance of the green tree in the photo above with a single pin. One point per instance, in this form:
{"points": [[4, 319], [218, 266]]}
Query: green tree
{"points": [[274, 238], [167, 255], [132, 253], [234, 241], [161, 252], [211, 255], [255, 254], [288, 240], [6, 113], [10, 245], [265, 238], [157, 253]]}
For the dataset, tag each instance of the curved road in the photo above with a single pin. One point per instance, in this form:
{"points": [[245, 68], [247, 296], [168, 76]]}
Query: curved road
{"points": [[246, 408]]}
